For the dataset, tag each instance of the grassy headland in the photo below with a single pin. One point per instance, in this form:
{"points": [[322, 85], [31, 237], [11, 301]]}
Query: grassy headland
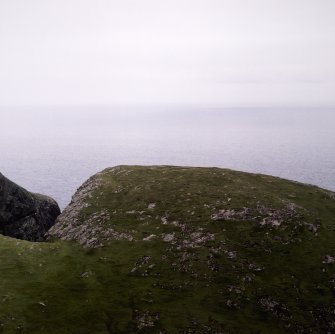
{"points": [[177, 250]]}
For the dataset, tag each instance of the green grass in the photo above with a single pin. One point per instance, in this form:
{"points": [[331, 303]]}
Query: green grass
{"points": [[222, 285]]}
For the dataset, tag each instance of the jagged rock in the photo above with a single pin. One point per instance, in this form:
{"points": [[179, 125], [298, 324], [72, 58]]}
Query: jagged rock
{"points": [[25, 215]]}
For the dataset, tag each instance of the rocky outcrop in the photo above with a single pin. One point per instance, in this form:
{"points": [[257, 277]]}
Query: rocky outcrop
{"points": [[90, 231], [68, 225], [25, 215]]}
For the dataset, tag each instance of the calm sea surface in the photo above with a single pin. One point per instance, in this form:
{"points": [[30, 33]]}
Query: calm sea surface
{"points": [[52, 151]]}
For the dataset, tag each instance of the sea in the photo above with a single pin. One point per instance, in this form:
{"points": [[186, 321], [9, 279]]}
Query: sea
{"points": [[53, 150]]}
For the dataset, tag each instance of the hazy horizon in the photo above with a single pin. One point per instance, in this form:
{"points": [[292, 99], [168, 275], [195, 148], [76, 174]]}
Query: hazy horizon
{"points": [[232, 83], [53, 151]]}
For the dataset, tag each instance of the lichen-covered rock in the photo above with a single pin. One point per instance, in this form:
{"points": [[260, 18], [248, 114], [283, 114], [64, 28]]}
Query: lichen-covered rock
{"points": [[25, 215]]}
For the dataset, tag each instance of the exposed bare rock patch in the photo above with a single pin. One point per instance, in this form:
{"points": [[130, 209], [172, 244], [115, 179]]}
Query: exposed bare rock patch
{"points": [[232, 214], [265, 216], [328, 259], [91, 231]]}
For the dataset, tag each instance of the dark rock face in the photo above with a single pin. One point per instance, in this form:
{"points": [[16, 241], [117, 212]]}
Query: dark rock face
{"points": [[25, 215]]}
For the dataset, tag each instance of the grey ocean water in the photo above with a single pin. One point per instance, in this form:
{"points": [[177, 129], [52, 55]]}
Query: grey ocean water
{"points": [[53, 150]]}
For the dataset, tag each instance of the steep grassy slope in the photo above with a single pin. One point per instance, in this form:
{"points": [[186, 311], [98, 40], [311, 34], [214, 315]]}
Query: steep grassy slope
{"points": [[177, 250]]}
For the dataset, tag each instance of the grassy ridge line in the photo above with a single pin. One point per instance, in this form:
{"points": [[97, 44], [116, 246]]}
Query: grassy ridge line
{"points": [[211, 251]]}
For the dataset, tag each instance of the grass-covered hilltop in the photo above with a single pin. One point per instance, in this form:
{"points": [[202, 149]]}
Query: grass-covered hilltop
{"points": [[177, 250]]}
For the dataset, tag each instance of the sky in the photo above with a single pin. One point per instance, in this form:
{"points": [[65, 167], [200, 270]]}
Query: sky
{"points": [[229, 53]]}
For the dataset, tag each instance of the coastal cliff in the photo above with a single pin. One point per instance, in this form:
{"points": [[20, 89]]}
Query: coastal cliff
{"points": [[25, 215]]}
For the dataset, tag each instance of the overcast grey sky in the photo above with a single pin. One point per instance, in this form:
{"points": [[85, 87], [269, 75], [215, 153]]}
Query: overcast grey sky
{"points": [[208, 52]]}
